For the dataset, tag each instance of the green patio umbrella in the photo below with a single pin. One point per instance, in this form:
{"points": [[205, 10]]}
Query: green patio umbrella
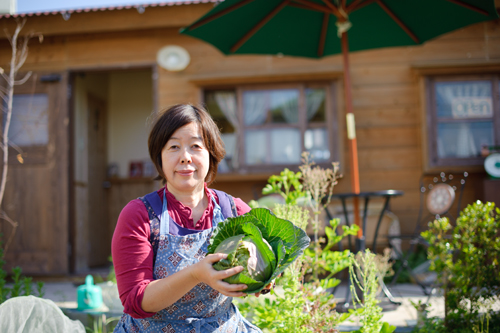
{"points": [[318, 28]]}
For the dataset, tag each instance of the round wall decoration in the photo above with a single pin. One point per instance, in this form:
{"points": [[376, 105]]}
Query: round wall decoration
{"points": [[173, 58], [492, 165], [440, 198]]}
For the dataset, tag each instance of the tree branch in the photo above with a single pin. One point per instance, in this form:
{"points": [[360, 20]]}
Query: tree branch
{"points": [[24, 79], [14, 225]]}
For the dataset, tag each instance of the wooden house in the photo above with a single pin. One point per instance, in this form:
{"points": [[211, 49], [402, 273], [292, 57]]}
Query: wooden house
{"points": [[96, 81]]}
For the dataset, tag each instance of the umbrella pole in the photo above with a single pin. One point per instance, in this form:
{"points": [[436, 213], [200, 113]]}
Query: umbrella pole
{"points": [[351, 133]]}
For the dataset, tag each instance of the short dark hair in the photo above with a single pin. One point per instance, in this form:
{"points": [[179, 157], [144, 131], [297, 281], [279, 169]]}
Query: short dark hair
{"points": [[173, 118]]}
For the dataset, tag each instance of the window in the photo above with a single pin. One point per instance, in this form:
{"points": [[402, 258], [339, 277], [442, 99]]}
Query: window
{"points": [[29, 122], [463, 119], [267, 127]]}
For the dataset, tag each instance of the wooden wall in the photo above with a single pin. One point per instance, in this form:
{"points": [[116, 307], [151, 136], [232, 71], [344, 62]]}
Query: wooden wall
{"points": [[388, 96]]}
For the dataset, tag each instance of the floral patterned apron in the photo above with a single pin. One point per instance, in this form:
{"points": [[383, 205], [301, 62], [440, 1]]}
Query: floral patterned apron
{"points": [[202, 309]]}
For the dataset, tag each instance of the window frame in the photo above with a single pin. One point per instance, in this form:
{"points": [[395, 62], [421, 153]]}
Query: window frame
{"points": [[330, 124], [432, 120]]}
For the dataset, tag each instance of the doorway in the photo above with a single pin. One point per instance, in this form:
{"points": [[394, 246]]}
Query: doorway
{"points": [[110, 113]]}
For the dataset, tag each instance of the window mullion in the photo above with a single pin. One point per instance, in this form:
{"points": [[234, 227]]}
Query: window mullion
{"points": [[302, 116], [241, 132]]}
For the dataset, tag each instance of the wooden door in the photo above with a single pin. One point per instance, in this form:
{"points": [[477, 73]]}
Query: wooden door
{"points": [[36, 194], [99, 231]]}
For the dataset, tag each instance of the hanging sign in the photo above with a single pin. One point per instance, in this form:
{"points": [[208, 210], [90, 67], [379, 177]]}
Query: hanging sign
{"points": [[472, 107]]}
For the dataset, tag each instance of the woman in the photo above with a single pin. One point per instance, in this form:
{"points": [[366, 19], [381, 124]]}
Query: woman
{"points": [[165, 279]]}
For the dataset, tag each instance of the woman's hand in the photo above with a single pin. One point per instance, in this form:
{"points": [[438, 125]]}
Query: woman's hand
{"points": [[204, 272]]}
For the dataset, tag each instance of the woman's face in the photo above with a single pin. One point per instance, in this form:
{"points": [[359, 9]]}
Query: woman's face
{"points": [[185, 160]]}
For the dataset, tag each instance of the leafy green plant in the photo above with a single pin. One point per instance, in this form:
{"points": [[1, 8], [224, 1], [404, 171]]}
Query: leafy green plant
{"points": [[287, 184], [466, 258], [21, 285], [297, 306], [367, 271], [300, 305]]}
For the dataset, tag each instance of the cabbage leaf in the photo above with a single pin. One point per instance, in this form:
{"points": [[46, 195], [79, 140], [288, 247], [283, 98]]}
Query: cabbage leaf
{"points": [[278, 241]]}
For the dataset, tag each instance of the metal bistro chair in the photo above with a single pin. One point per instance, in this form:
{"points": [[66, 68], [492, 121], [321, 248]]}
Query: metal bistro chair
{"points": [[438, 196]]}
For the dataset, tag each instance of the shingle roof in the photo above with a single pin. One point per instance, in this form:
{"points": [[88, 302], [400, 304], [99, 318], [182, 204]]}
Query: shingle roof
{"points": [[140, 8]]}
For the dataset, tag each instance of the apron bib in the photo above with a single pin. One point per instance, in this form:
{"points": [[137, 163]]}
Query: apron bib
{"points": [[202, 309]]}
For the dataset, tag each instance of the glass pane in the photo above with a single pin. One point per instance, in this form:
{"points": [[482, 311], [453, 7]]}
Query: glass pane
{"points": [[271, 106], [462, 140], [30, 120], [274, 146], [464, 99], [285, 146], [316, 143], [230, 161], [222, 107], [256, 147], [315, 104]]}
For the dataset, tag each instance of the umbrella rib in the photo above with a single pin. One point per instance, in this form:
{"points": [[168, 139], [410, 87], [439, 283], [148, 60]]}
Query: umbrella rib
{"points": [[322, 40], [358, 4], [334, 9], [471, 7], [398, 21], [301, 6], [313, 5], [219, 14], [259, 25]]}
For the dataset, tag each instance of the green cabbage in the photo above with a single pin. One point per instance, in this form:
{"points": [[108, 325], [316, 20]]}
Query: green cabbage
{"points": [[262, 243]]}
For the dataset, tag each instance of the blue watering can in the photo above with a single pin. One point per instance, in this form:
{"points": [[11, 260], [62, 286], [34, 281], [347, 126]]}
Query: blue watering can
{"points": [[89, 296]]}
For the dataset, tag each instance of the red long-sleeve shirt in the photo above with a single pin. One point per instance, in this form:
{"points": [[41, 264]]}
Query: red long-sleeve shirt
{"points": [[132, 251]]}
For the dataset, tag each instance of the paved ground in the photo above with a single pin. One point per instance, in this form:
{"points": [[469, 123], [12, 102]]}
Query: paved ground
{"points": [[403, 316]]}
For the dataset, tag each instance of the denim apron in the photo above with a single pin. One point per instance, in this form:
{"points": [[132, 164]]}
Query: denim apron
{"points": [[202, 309]]}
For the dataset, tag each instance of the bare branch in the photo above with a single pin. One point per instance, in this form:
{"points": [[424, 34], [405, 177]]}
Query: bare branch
{"points": [[5, 99], [24, 51], [9, 37], [14, 225], [6, 77], [24, 79], [16, 147]]}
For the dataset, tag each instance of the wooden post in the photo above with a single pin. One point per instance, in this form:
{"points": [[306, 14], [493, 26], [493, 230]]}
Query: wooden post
{"points": [[353, 147]]}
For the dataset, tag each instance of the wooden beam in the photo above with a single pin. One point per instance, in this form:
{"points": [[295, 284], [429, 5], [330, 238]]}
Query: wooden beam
{"points": [[219, 14], [471, 7], [258, 26], [322, 39], [357, 4], [334, 9], [301, 6], [314, 5], [398, 21]]}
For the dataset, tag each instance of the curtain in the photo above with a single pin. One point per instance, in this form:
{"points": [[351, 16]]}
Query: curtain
{"points": [[254, 107], [288, 102], [226, 100], [314, 98]]}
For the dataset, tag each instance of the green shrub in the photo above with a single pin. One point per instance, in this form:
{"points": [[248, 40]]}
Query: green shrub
{"points": [[466, 258], [21, 285]]}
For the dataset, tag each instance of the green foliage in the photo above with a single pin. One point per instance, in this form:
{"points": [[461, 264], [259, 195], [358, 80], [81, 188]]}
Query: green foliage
{"points": [[367, 271], [303, 306], [414, 259], [287, 184], [467, 263], [21, 285], [328, 263], [111, 275]]}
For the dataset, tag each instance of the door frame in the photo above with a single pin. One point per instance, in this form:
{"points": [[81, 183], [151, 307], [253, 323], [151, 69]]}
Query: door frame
{"points": [[72, 184]]}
